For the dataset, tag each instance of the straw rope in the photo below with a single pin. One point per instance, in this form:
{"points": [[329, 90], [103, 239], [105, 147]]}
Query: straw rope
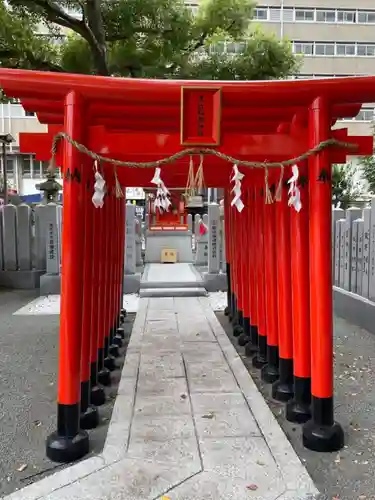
{"points": [[198, 151]]}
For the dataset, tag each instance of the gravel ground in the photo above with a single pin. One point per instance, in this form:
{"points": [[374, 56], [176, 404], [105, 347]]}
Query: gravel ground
{"points": [[349, 474], [28, 374]]}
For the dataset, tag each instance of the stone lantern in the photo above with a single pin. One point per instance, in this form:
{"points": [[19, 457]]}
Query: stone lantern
{"points": [[50, 187]]}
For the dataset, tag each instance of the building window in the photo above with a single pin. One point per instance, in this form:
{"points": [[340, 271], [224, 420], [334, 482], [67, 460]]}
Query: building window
{"points": [[10, 167], [304, 15], [324, 49], [29, 113], [326, 16], [260, 14], [274, 14], [366, 115], [44, 167], [366, 50], [346, 16], [366, 17], [306, 48], [26, 166], [345, 49]]}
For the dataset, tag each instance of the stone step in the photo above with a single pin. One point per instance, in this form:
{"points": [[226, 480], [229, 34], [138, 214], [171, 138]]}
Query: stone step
{"points": [[173, 292], [171, 284]]}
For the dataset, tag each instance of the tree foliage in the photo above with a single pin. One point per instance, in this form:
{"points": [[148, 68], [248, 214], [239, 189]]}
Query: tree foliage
{"points": [[368, 168], [346, 185], [138, 38]]}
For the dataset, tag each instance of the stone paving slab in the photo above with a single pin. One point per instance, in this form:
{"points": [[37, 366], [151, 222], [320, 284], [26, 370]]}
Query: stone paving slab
{"points": [[188, 422]]}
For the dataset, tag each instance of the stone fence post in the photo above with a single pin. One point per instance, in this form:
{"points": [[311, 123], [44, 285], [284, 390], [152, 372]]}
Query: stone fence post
{"points": [[130, 255], [10, 237], [24, 238], [51, 212], [213, 238]]}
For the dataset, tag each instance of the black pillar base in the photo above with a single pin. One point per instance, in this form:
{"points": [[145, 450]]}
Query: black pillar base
{"points": [[297, 412], [298, 409], [109, 363], [259, 361], [97, 396], [270, 372], [237, 330], [120, 332], [226, 311], [117, 340], [113, 351], [104, 377], [63, 449], [90, 418], [283, 389], [322, 433], [244, 338], [68, 443], [323, 438]]}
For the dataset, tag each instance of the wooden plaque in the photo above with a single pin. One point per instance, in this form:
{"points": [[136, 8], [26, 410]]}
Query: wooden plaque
{"points": [[200, 116]]}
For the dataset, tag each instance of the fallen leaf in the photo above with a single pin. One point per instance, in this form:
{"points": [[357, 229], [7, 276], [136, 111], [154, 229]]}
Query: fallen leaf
{"points": [[208, 415], [165, 498], [259, 462], [22, 468], [37, 423], [252, 487], [183, 396]]}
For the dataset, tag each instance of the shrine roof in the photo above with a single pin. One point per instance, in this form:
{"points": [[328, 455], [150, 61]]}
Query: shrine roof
{"points": [[26, 84]]}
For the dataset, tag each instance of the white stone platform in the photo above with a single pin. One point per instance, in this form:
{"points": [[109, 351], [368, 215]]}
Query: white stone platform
{"points": [[188, 422], [172, 280]]}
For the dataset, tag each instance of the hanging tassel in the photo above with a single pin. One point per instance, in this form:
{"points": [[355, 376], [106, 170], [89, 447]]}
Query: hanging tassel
{"points": [[118, 189], [99, 188], [190, 185], [294, 192], [237, 178], [268, 200], [199, 178], [279, 189]]}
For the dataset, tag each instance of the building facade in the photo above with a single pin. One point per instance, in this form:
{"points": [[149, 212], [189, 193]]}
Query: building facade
{"points": [[335, 38]]}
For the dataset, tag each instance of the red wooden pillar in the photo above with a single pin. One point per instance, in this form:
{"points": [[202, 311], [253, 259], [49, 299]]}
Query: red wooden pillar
{"points": [[270, 372], [89, 414], [227, 233], [298, 408], [245, 335], [239, 251], [68, 443], [109, 359], [260, 359], [321, 433], [97, 396], [252, 346], [234, 264], [116, 335], [282, 390], [104, 376], [120, 270]]}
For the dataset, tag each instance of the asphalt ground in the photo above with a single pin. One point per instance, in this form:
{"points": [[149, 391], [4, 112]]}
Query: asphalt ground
{"points": [[349, 474], [28, 376]]}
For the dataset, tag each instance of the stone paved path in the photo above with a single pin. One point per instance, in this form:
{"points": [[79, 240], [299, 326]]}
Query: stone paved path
{"points": [[188, 422]]}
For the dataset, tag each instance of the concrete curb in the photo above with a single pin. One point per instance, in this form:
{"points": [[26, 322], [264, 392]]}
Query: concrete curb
{"points": [[355, 309], [299, 484]]}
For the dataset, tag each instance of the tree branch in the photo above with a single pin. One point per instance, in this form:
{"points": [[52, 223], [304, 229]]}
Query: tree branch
{"points": [[35, 62], [146, 31]]}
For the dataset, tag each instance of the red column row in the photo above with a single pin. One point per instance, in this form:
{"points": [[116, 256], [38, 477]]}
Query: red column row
{"points": [[280, 287], [91, 294]]}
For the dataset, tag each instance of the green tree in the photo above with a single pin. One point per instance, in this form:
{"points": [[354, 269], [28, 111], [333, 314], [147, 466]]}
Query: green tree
{"points": [[141, 38], [368, 167], [347, 185]]}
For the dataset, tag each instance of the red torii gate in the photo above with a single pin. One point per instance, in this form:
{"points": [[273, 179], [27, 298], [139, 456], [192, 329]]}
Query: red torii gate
{"points": [[133, 120]]}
